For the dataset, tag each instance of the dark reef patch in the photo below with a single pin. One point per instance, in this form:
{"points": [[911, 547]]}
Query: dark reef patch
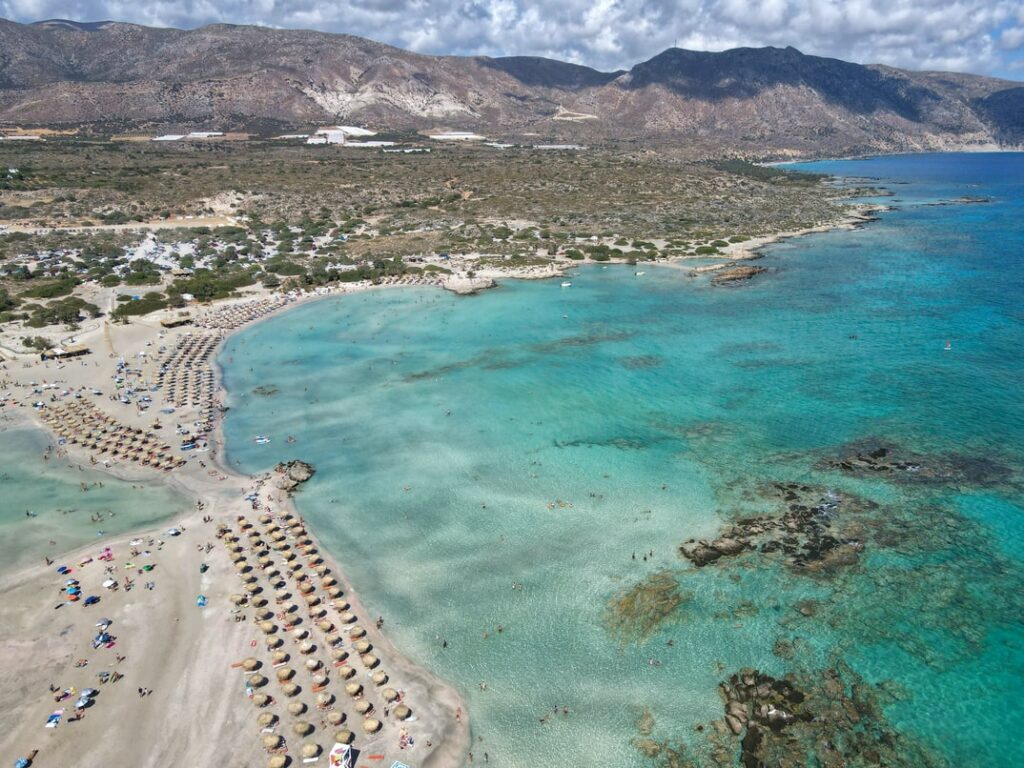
{"points": [[634, 615], [874, 457]]}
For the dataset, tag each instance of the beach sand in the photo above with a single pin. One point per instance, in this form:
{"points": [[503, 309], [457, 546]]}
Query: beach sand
{"points": [[198, 712]]}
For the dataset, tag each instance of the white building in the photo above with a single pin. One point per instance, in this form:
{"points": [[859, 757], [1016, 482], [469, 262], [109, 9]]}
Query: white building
{"points": [[170, 137], [457, 136]]}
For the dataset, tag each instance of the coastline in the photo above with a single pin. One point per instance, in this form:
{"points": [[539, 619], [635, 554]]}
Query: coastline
{"points": [[37, 658], [197, 642]]}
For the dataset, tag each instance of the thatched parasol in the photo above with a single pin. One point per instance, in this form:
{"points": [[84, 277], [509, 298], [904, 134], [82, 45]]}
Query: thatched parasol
{"points": [[335, 591], [260, 700], [302, 727], [356, 632], [363, 706], [379, 677], [346, 672], [353, 689], [362, 646], [277, 761], [348, 617], [390, 694], [309, 750], [259, 602], [268, 627], [237, 599], [252, 589], [335, 717], [369, 660], [371, 725], [296, 708], [324, 700], [333, 638], [339, 654], [271, 741], [325, 626], [402, 712], [328, 581], [290, 689], [250, 663], [344, 736], [307, 648], [300, 633], [273, 642], [341, 605], [285, 673], [266, 719], [278, 657]]}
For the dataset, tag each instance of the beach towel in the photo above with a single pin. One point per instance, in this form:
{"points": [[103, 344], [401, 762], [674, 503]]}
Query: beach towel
{"points": [[54, 719]]}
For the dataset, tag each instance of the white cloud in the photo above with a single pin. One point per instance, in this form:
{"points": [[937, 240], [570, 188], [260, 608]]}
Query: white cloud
{"points": [[976, 35]]}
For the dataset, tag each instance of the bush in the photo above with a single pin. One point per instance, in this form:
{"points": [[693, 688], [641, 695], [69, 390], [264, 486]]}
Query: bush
{"points": [[50, 290], [705, 250]]}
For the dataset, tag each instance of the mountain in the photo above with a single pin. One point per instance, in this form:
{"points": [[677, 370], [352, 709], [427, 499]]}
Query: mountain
{"points": [[107, 76]]}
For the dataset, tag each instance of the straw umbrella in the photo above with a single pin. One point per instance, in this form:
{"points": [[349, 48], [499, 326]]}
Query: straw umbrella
{"points": [[369, 660], [290, 689], [268, 627], [344, 736], [259, 602], [379, 677], [249, 664], [402, 712], [296, 708], [300, 633], [348, 617], [341, 605], [325, 626], [309, 750], [252, 589], [353, 689], [362, 646], [255, 681], [302, 727], [371, 725], [271, 741], [318, 612], [333, 639], [260, 700], [307, 648], [363, 706], [328, 581], [389, 694], [335, 717], [356, 632], [324, 700], [273, 642], [334, 592], [320, 680], [237, 599], [339, 654], [312, 664], [266, 719], [346, 672], [277, 761], [284, 674]]}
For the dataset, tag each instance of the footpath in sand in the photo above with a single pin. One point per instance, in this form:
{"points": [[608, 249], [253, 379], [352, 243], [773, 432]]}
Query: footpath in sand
{"points": [[225, 638]]}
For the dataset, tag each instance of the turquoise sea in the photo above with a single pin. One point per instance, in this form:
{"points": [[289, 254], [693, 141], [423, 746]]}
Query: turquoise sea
{"points": [[67, 505], [496, 471]]}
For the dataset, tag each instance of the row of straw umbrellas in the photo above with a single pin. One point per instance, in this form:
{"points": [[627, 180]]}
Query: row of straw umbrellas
{"points": [[185, 373], [80, 422], [289, 539], [239, 314]]}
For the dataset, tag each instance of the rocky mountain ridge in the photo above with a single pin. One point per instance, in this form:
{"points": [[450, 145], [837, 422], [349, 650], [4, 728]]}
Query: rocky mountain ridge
{"points": [[108, 76]]}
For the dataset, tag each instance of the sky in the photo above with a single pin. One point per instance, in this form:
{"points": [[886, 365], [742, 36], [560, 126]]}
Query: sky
{"points": [[980, 36]]}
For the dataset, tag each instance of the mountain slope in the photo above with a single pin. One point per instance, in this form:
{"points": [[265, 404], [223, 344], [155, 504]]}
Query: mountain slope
{"points": [[109, 75]]}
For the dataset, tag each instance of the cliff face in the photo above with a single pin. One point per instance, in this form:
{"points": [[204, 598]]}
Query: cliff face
{"points": [[111, 75]]}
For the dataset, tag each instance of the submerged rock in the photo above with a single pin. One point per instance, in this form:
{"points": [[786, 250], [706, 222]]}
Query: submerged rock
{"points": [[877, 457]]}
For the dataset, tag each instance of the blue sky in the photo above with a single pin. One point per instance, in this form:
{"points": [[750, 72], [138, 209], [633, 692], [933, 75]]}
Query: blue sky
{"points": [[983, 36]]}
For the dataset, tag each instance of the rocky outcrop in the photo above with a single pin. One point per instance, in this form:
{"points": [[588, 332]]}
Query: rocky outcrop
{"points": [[737, 274], [292, 474], [804, 534]]}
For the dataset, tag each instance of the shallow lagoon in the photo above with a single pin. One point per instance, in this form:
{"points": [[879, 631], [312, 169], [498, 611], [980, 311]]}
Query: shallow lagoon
{"points": [[542, 437], [70, 506]]}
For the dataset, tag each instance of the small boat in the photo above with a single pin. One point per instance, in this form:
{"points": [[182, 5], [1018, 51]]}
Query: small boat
{"points": [[261, 440], [638, 274], [949, 345], [566, 284]]}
